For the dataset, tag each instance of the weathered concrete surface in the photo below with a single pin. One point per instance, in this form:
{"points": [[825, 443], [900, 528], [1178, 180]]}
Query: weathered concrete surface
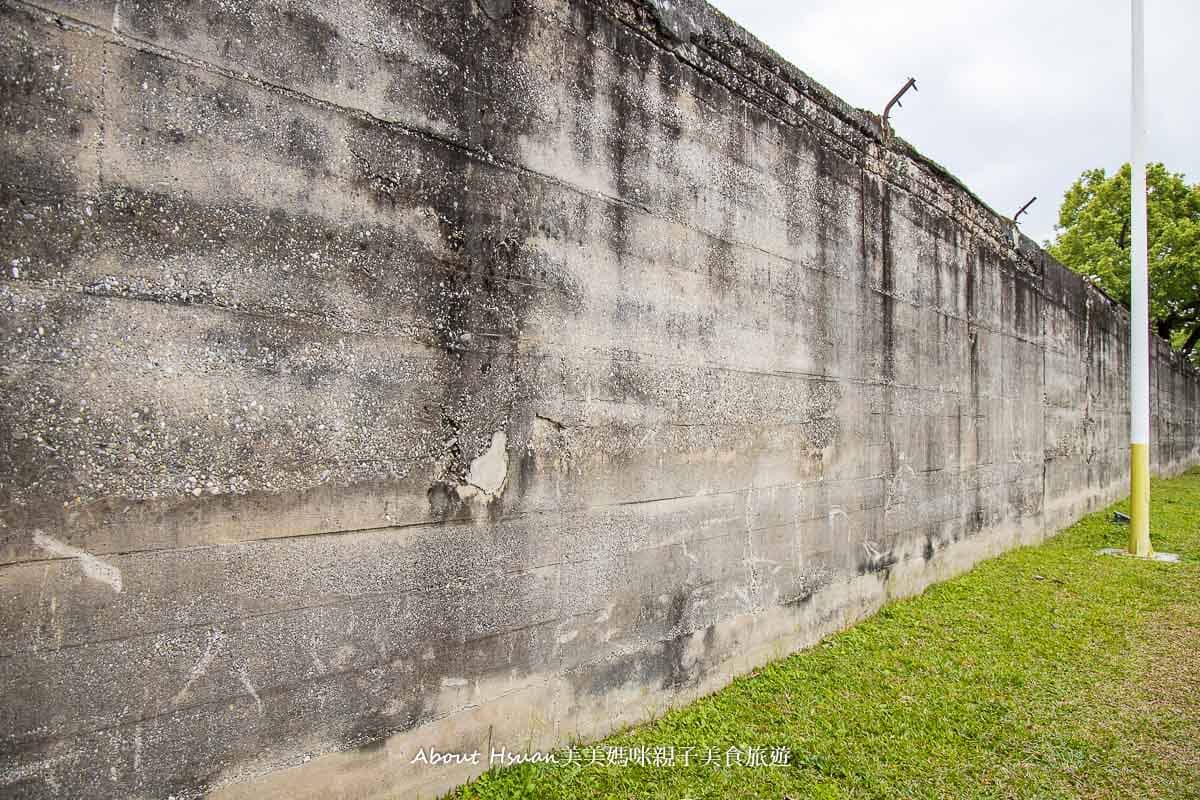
{"points": [[389, 375]]}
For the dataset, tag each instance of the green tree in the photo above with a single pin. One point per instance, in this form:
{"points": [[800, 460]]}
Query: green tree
{"points": [[1092, 238]]}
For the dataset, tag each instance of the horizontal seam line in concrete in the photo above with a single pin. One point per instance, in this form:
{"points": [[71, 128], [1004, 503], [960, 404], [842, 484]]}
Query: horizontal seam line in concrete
{"points": [[534, 340], [573, 510], [23, 745], [941, 180], [314, 320], [125, 40], [519, 515], [352, 600], [485, 157]]}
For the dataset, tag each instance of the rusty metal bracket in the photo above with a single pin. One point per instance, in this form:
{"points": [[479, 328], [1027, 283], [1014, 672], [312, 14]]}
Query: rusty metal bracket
{"points": [[1023, 208], [895, 101]]}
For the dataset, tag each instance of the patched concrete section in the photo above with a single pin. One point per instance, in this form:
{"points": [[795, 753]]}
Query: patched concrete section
{"points": [[488, 473], [381, 375]]}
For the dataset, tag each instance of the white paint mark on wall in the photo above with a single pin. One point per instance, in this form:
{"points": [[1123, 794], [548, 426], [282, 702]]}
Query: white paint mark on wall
{"points": [[647, 437], [250, 688], [92, 567], [43, 770], [201, 667], [454, 682], [343, 656], [312, 651], [689, 556], [897, 488], [837, 512], [137, 749], [37, 636], [748, 509]]}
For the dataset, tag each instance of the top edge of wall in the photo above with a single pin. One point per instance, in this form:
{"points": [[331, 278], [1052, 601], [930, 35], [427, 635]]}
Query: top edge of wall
{"points": [[679, 23]]}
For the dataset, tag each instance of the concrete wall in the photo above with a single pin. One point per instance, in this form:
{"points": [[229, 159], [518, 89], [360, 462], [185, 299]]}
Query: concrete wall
{"points": [[380, 375]]}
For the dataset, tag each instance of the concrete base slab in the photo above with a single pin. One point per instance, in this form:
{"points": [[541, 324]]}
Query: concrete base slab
{"points": [[1169, 558]]}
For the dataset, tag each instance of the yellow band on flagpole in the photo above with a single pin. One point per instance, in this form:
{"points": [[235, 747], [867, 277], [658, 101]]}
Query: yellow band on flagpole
{"points": [[1139, 500]]}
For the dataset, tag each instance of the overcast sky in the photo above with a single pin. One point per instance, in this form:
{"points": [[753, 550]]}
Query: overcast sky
{"points": [[1015, 97]]}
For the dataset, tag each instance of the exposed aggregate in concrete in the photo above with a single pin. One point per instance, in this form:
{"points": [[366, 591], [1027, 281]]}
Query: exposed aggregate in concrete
{"points": [[376, 372]]}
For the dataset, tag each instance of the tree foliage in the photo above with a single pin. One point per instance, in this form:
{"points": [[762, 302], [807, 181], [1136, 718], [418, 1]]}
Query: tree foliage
{"points": [[1093, 239]]}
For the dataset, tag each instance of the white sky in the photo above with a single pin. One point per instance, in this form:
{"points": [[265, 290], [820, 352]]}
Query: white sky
{"points": [[1015, 97]]}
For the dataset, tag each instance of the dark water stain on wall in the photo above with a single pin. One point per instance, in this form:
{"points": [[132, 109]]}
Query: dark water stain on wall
{"points": [[475, 294]]}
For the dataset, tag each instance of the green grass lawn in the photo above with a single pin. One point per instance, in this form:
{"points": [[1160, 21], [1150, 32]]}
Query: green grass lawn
{"points": [[1047, 672]]}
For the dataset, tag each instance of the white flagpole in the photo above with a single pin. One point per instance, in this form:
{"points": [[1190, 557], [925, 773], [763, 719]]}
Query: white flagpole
{"points": [[1139, 337]]}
